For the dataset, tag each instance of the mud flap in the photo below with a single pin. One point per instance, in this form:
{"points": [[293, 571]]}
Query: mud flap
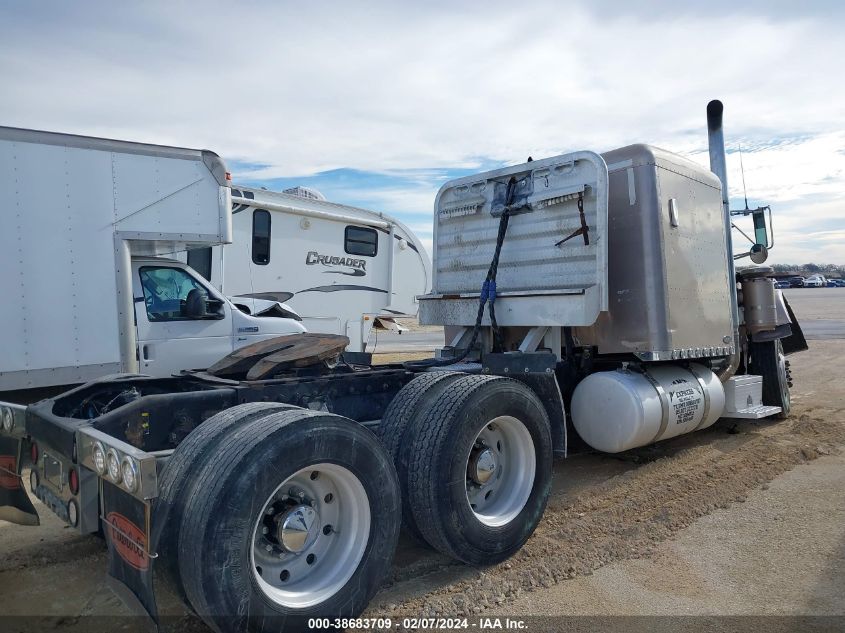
{"points": [[15, 504], [126, 523], [796, 341]]}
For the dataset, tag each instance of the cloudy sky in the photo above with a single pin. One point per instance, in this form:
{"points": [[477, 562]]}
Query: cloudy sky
{"points": [[377, 104]]}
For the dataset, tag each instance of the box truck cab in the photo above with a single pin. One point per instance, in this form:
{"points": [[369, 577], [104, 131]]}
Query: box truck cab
{"points": [[183, 322]]}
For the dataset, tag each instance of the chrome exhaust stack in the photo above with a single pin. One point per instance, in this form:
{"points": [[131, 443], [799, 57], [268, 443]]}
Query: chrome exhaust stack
{"points": [[716, 143], [718, 165]]}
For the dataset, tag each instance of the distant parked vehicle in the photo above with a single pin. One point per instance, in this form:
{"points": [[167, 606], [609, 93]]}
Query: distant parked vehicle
{"points": [[796, 282], [816, 281], [836, 283], [783, 283]]}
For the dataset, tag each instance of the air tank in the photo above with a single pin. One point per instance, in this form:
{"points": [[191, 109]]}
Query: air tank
{"points": [[614, 411]]}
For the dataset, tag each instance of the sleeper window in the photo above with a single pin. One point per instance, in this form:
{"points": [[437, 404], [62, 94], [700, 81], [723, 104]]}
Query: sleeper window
{"points": [[361, 241], [261, 237]]}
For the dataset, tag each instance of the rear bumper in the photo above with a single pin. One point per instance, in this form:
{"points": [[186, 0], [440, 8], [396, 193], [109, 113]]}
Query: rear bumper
{"points": [[48, 479]]}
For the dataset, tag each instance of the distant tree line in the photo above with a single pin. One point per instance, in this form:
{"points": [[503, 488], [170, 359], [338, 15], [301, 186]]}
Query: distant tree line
{"points": [[811, 269]]}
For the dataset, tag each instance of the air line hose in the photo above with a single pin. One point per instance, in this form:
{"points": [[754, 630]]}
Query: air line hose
{"points": [[488, 294]]}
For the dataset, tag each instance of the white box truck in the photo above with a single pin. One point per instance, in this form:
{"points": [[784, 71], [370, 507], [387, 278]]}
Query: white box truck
{"points": [[85, 294]]}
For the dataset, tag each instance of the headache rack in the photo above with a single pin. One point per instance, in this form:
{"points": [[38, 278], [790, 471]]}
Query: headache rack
{"points": [[553, 265]]}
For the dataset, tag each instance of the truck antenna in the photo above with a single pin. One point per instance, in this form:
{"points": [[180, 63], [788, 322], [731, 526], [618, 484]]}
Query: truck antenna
{"points": [[742, 170]]}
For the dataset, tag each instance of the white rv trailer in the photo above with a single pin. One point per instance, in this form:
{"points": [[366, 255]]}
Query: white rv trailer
{"points": [[342, 269]]}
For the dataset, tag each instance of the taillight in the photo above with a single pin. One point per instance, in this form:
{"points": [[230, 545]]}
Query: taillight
{"points": [[33, 453], [73, 481]]}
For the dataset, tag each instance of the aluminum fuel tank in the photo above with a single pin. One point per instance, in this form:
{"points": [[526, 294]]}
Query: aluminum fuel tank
{"points": [[614, 411]]}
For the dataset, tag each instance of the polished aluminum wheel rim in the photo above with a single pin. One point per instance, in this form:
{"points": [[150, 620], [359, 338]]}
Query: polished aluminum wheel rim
{"points": [[310, 536], [501, 466]]}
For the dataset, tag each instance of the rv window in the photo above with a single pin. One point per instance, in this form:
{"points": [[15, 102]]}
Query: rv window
{"points": [[261, 237], [166, 293], [361, 241], [200, 260]]}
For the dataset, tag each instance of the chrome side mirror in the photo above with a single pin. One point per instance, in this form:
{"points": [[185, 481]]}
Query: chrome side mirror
{"points": [[759, 253], [761, 231]]}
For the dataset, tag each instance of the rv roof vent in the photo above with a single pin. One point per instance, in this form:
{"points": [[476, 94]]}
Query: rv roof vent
{"points": [[305, 192]]}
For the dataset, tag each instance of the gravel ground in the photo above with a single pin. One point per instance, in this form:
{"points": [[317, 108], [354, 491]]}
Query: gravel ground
{"points": [[731, 562], [685, 518]]}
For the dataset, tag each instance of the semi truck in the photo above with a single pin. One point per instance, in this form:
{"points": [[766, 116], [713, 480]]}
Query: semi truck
{"points": [[590, 299]]}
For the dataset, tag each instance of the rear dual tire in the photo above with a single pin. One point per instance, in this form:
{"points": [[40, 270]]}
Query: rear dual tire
{"points": [[476, 467], [292, 515], [180, 473], [398, 424]]}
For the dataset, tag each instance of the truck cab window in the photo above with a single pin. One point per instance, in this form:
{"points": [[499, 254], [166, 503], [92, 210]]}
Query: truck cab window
{"points": [[167, 294], [261, 237], [361, 241]]}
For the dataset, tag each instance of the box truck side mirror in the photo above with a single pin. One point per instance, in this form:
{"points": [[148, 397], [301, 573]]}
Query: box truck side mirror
{"points": [[196, 304]]}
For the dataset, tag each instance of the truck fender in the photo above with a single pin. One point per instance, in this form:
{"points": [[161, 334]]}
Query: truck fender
{"points": [[546, 387]]}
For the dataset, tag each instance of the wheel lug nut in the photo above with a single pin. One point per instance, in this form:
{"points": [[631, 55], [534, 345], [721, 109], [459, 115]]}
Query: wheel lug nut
{"points": [[269, 548], [265, 529]]}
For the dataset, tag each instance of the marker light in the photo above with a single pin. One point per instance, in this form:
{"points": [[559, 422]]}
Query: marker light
{"points": [[98, 456], [7, 418], [129, 470], [113, 466]]}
